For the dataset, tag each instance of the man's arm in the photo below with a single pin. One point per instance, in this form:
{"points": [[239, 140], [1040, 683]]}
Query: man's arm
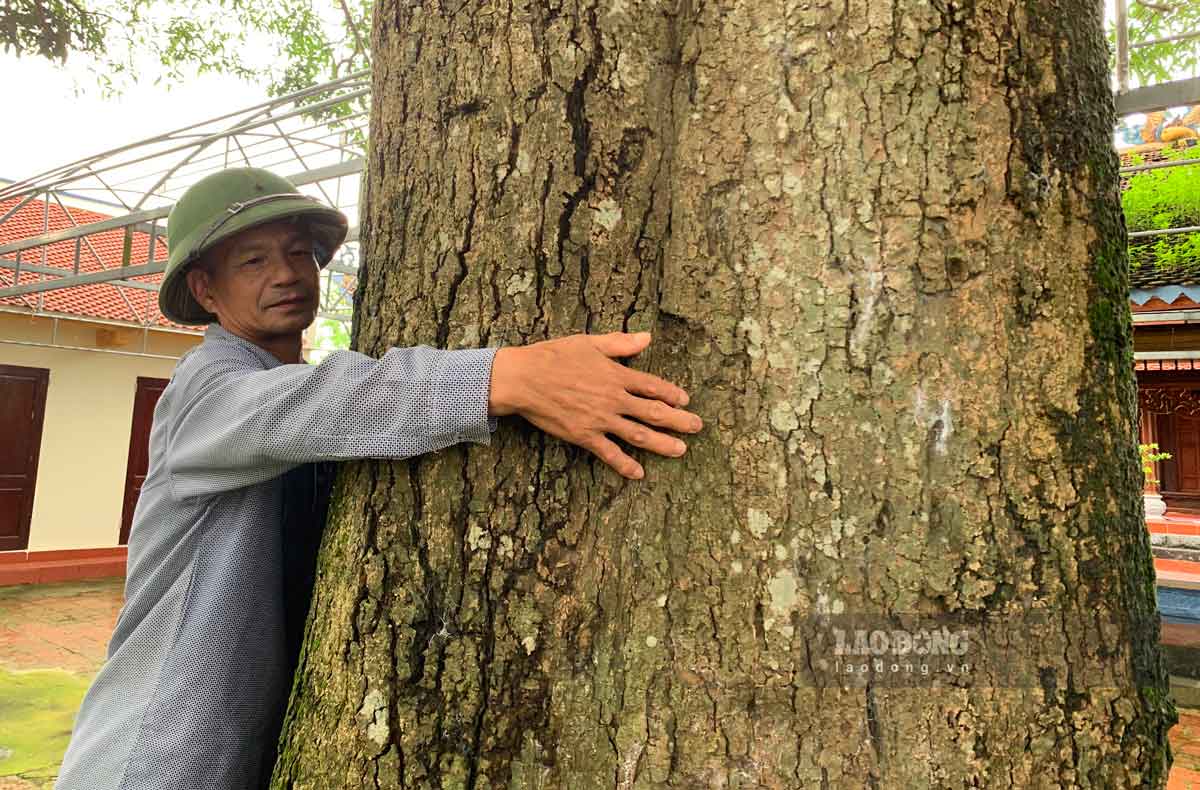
{"points": [[240, 427]]}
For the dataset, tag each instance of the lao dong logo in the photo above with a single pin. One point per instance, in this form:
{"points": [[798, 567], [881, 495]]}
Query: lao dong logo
{"points": [[899, 642]]}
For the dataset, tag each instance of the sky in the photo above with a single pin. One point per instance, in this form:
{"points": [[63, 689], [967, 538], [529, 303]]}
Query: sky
{"points": [[67, 118], [57, 126]]}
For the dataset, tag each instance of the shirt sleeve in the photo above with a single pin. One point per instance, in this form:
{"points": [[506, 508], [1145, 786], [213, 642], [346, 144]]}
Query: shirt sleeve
{"points": [[236, 427]]}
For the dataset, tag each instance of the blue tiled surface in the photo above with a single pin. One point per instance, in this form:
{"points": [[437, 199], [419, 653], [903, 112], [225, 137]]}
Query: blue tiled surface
{"points": [[1179, 606]]}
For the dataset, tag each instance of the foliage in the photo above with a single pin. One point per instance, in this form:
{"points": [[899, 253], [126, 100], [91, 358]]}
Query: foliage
{"points": [[49, 28], [330, 336], [1160, 199], [334, 334], [1150, 455], [245, 38], [1150, 20]]}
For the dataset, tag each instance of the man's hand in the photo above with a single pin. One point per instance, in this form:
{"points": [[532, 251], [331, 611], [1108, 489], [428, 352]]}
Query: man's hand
{"points": [[571, 388]]}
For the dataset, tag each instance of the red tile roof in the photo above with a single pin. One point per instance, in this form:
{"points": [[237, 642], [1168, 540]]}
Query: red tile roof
{"points": [[97, 252]]}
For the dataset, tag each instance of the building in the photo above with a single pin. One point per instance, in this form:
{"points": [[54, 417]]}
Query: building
{"points": [[1166, 308], [81, 369], [1165, 301], [83, 351]]}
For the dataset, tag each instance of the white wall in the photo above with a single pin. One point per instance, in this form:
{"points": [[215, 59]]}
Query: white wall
{"points": [[89, 414]]}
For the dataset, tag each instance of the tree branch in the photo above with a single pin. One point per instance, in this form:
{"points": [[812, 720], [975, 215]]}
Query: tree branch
{"points": [[358, 42], [1162, 8]]}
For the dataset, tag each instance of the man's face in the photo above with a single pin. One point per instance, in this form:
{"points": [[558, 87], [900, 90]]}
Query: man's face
{"points": [[261, 283]]}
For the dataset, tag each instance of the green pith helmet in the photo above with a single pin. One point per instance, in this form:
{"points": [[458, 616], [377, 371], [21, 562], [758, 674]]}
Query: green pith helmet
{"points": [[225, 203]]}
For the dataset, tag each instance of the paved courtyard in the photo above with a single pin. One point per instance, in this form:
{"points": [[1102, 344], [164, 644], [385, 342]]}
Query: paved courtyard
{"points": [[53, 639]]}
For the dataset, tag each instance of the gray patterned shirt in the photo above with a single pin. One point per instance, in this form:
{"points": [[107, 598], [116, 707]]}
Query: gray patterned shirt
{"points": [[196, 666]]}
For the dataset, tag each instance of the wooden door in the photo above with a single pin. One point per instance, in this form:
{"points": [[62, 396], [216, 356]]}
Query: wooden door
{"points": [[144, 401], [1187, 458], [1179, 435], [1164, 427], [22, 410]]}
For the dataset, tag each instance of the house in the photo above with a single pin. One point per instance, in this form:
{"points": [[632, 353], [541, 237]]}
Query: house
{"points": [[81, 369], [1165, 301], [1166, 309]]}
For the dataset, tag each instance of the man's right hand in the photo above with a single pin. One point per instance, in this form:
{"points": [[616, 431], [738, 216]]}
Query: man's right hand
{"points": [[571, 388]]}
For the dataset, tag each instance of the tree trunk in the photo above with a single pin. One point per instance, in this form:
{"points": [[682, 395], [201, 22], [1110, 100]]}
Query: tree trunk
{"points": [[880, 243]]}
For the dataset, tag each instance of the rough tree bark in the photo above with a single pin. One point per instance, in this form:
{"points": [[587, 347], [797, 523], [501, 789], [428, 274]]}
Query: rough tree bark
{"points": [[880, 243]]}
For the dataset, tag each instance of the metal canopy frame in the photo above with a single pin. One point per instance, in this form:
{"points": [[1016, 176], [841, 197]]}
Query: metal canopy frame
{"points": [[1150, 98], [316, 137]]}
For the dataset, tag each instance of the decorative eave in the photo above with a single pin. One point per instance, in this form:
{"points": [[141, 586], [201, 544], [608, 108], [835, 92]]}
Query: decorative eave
{"points": [[1169, 296]]}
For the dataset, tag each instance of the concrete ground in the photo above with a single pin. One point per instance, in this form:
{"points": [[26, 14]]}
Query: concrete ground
{"points": [[53, 639]]}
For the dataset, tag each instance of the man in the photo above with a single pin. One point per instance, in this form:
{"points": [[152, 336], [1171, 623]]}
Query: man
{"points": [[224, 536]]}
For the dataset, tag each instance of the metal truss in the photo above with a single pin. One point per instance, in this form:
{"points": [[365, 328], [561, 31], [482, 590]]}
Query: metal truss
{"points": [[1153, 97], [315, 137]]}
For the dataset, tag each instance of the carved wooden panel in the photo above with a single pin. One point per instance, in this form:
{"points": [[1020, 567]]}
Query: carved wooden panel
{"points": [[1164, 400]]}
